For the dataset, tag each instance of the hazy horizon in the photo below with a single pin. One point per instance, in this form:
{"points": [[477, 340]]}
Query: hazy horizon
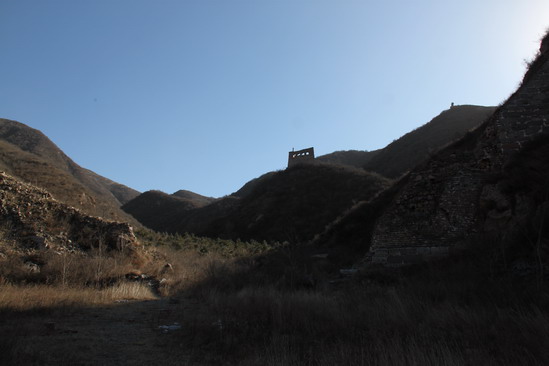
{"points": [[206, 95]]}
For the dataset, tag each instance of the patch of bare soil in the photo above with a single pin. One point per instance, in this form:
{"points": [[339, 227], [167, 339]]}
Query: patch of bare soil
{"points": [[126, 333]]}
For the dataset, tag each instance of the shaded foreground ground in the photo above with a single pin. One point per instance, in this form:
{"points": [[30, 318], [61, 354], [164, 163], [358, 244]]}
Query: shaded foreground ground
{"points": [[281, 309], [125, 333], [390, 323]]}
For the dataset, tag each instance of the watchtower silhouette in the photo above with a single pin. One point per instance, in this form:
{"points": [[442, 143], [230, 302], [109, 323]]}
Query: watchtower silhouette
{"points": [[304, 156]]}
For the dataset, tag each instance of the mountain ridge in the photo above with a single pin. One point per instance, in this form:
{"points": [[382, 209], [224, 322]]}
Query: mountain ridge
{"points": [[412, 148], [28, 154], [289, 205], [239, 216], [417, 145], [486, 189]]}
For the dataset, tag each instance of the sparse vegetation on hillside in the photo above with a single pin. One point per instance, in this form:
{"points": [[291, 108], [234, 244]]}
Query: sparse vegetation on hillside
{"points": [[191, 243], [266, 309], [158, 210], [413, 148], [354, 158], [457, 311], [299, 202], [197, 199], [351, 232], [59, 285], [29, 155], [290, 205], [251, 185], [79, 290]]}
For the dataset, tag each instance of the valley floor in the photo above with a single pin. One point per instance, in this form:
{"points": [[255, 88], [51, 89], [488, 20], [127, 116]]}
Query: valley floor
{"points": [[265, 311], [385, 324], [125, 333]]}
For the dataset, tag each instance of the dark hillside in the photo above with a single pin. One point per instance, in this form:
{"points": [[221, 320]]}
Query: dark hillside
{"points": [[214, 220], [160, 211], [28, 154], [196, 199], [411, 149], [291, 205], [251, 185], [121, 192], [414, 147], [354, 158], [352, 232], [298, 203], [487, 189]]}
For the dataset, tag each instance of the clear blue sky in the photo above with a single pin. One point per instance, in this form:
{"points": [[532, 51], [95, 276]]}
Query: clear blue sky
{"points": [[205, 95]]}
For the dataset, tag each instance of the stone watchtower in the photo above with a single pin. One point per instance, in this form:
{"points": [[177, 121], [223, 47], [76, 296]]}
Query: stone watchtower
{"points": [[305, 156]]}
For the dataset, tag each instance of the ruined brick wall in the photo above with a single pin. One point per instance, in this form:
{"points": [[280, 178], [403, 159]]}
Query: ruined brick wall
{"points": [[432, 214], [32, 219], [523, 117], [440, 206]]}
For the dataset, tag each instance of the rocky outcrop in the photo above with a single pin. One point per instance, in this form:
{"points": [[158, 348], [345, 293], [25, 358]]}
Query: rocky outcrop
{"points": [[461, 191], [31, 219]]}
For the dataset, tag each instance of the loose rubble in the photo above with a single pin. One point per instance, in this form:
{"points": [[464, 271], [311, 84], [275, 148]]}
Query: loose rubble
{"points": [[31, 219]]}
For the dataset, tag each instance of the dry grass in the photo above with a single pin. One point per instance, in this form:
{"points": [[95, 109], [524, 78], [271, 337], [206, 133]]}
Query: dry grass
{"points": [[76, 289], [66, 269], [74, 279], [393, 328], [438, 316], [189, 269], [47, 279], [451, 313], [128, 291], [27, 297]]}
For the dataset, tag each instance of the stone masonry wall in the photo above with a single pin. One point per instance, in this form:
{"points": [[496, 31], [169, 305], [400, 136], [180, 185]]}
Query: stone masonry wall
{"points": [[433, 211], [524, 116], [439, 208], [33, 219]]}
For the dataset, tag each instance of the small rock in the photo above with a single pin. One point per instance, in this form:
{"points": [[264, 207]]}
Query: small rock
{"points": [[169, 328], [32, 267], [167, 268], [348, 271]]}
